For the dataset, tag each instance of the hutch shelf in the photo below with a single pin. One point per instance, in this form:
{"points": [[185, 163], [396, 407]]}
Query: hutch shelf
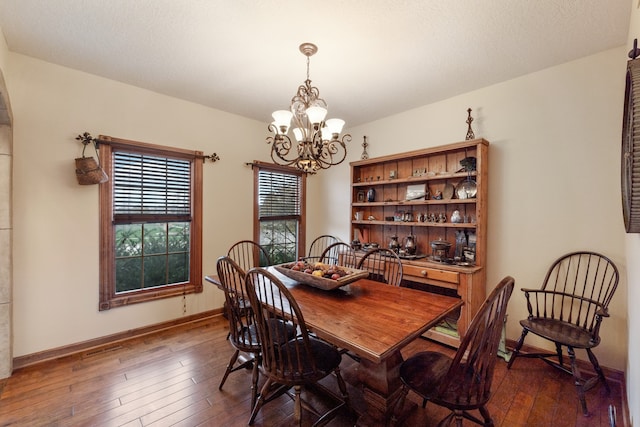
{"points": [[418, 194]]}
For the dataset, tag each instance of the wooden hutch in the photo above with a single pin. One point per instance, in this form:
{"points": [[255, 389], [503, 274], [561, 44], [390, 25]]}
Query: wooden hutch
{"points": [[416, 194]]}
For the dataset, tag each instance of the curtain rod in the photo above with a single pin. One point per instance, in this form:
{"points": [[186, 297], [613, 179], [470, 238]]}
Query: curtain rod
{"points": [[86, 138]]}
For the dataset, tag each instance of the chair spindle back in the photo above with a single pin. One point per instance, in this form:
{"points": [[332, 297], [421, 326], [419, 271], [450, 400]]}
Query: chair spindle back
{"points": [[473, 365], [383, 265], [577, 289], [290, 362], [241, 317], [248, 254], [319, 245], [341, 254]]}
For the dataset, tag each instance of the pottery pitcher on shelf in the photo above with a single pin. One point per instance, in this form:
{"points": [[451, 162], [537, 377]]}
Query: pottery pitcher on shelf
{"points": [[410, 244], [394, 244]]}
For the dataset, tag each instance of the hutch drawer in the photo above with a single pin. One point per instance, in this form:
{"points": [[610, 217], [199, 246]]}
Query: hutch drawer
{"points": [[419, 273]]}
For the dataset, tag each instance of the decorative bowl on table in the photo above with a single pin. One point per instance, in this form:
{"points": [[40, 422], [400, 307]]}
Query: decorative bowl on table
{"points": [[319, 275]]}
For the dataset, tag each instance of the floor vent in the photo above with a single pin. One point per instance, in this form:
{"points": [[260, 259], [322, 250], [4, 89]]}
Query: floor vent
{"points": [[101, 350]]}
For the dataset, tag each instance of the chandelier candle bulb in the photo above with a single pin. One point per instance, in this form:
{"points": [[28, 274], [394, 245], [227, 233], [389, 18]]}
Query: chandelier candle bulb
{"points": [[316, 115], [282, 120], [334, 126]]}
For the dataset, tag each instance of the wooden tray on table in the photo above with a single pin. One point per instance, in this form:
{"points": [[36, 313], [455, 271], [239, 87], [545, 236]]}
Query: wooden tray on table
{"points": [[323, 283]]}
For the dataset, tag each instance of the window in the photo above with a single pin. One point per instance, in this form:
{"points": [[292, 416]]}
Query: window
{"points": [[150, 222], [279, 219]]}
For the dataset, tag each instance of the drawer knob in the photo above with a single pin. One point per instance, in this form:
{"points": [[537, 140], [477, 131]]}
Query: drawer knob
{"points": [[424, 273]]}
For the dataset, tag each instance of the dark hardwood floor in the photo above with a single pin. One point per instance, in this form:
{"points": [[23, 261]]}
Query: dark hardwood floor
{"points": [[171, 378]]}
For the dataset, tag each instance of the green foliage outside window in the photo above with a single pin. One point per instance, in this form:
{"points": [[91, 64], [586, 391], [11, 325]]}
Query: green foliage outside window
{"points": [[151, 255], [279, 238]]}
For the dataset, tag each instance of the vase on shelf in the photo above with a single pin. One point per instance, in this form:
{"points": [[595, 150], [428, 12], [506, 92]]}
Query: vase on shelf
{"points": [[371, 195]]}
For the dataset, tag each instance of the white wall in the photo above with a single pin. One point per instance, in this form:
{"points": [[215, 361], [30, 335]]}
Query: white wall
{"points": [[4, 51], [554, 173], [56, 220]]}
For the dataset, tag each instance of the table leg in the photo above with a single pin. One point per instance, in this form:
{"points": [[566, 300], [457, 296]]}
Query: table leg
{"points": [[381, 387]]}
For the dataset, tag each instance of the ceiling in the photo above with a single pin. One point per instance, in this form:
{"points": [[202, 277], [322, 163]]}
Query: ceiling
{"points": [[375, 58]]}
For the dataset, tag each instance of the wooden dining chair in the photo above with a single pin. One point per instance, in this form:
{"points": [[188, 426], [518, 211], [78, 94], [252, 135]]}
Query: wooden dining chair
{"points": [[243, 332], [383, 265], [568, 310], [300, 361], [248, 254], [319, 245], [462, 383], [341, 254]]}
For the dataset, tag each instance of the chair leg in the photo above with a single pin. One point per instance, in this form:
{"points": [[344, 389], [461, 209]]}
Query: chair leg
{"points": [[516, 350], [254, 379], [232, 362], [329, 415], [488, 421], [559, 353], [447, 420], [577, 378], [342, 386], [261, 400], [598, 369], [297, 406]]}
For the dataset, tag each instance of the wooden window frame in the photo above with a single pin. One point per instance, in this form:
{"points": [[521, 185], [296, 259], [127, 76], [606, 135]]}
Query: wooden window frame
{"points": [[257, 166], [108, 297]]}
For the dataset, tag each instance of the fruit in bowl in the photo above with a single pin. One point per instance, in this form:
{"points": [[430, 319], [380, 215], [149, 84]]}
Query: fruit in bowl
{"points": [[320, 275], [319, 269]]}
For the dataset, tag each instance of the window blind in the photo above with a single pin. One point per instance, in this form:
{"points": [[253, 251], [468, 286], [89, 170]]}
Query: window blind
{"points": [[150, 185], [278, 194]]}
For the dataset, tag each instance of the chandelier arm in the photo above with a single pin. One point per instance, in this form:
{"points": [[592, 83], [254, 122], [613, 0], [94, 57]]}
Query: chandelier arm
{"points": [[280, 146], [272, 128], [325, 157]]}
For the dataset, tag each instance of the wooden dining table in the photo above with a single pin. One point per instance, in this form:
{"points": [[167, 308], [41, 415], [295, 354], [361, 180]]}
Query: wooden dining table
{"points": [[374, 321]]}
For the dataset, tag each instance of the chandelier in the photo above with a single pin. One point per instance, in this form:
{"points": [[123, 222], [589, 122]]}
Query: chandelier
{"points": [[318, 142]]}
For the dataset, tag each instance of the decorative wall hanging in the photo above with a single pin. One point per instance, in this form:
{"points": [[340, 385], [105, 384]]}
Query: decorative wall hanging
{"points": [[88, 170], [470, 134], [630, 179], [365, 144]]}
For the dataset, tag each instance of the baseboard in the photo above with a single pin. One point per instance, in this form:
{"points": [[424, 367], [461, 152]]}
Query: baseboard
{"points": [[109, 340]]}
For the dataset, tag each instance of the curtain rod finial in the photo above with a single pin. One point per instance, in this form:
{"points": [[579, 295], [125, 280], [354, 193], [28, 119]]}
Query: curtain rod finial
{"points": [[213, 157]]}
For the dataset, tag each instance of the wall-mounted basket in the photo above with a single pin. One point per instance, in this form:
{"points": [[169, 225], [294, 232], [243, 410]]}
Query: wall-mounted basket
{"points": [[88, 170]]}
